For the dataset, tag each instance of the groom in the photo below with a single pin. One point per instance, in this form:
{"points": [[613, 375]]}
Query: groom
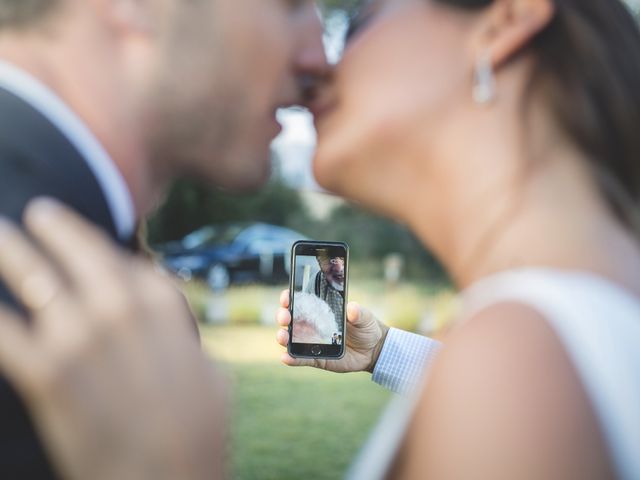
{"points": [[103, 103]]}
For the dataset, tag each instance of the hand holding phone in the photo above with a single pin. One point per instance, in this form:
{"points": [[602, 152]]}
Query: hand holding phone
{"points": [[366, 338], [318, 296]]}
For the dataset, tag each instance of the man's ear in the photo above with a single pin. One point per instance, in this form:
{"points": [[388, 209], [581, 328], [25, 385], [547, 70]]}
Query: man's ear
{"points": [[508, 26], [128, 16]]}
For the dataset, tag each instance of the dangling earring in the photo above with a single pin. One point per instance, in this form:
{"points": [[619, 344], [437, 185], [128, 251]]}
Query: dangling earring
{"points": [[484, 81]]}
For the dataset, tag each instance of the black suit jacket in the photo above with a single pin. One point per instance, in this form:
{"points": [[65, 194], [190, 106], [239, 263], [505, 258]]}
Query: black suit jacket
{"points": [[35, 160]]}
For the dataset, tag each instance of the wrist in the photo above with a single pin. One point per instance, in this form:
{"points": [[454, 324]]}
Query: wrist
{"points": [[375, 354]]}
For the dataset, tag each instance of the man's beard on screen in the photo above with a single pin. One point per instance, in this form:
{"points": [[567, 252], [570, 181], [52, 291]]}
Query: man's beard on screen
{"points": [[336, 286]]}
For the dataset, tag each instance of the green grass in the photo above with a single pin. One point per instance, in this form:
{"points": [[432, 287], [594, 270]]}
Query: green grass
{"points": [[291, 423], [301, 423]]}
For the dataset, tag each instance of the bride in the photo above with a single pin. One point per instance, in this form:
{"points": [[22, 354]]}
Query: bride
{"points": [[505, 134]]}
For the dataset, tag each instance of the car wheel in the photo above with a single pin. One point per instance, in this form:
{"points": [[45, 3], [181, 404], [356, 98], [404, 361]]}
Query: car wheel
{"points": [[218, 277]]}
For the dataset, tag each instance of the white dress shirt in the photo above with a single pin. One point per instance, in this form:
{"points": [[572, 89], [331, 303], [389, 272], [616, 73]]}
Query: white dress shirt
{"points": [[403, 360], [44, 100]]}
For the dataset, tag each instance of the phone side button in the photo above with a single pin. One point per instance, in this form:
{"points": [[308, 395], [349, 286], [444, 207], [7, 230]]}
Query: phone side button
{"points": [[316, 350]]}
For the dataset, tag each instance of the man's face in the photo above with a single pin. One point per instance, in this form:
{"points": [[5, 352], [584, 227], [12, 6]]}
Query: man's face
{"points": [[226, 66], [333, 269]]}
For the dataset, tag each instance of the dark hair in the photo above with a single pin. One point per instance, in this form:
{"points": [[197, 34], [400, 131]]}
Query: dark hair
{"points": [[588, 67], [23, 13]]}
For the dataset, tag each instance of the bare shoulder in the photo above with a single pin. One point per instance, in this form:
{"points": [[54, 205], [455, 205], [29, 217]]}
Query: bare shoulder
{"points": [[504, 401]]}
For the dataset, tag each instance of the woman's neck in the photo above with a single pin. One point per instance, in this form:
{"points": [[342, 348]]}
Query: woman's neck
{"points": [[554, 216]]}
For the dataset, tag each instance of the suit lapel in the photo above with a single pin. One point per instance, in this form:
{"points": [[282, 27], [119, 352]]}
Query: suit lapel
{"points": [[33, 149]]}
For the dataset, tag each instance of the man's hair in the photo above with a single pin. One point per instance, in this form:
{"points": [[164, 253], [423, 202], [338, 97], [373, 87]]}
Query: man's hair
{"points": [[24, 13], [315, 313]]}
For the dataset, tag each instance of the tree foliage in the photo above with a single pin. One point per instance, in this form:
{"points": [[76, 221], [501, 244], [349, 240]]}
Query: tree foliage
{"points": [[371, 238], [191, 205]]}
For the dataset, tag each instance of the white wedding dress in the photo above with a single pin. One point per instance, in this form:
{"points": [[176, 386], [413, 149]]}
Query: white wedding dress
{"points": [[598, 324]]}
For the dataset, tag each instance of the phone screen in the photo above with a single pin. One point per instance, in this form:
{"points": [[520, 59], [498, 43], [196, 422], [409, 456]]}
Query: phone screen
{"points": [[318, 299]]}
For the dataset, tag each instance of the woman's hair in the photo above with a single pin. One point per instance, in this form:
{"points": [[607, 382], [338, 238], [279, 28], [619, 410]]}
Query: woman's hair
{"points": [[588, 67]]}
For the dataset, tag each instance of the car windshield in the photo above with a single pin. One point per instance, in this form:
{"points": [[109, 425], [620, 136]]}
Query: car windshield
{"points": [[209, 236]]}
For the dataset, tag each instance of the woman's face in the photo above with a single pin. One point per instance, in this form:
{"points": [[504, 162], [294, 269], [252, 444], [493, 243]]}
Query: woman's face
{"points": [[403, 72]]}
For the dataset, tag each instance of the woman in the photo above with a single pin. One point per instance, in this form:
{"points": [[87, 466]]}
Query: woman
{"points": [[504, 133]]}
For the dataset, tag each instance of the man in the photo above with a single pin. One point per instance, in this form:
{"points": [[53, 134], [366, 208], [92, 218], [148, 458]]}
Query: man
{"points": [[103, 103], [328, 285]]}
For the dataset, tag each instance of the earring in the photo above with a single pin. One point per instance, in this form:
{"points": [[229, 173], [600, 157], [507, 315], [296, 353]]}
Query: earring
{"points": [[484, 82]]}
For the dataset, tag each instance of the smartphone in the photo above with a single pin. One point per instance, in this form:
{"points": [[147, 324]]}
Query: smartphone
{"points": [[318, 299]]}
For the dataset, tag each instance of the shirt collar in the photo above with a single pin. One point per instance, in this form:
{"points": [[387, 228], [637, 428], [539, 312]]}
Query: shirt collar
{"points": [[44, 100]]}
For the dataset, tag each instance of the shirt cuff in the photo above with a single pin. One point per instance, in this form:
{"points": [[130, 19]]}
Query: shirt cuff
{"points": [[403, 360]]}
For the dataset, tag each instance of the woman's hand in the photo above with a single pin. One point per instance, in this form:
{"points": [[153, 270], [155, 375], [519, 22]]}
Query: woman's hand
{"points": [[364, 340], [109, 366]]}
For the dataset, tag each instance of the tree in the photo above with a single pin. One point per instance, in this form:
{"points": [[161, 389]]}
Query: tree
{"points": [[372, 238], [191, 205]]}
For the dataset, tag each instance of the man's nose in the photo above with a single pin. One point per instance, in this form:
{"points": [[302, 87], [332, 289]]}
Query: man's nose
{"points": [[310, 56]]}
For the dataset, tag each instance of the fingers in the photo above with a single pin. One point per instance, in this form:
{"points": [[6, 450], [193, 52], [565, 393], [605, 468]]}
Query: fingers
{"points": [[25, 271], [284, 299], [283, 317], [282, 337], [298, 362], [18, 351], [79, 247], [99, 272]]}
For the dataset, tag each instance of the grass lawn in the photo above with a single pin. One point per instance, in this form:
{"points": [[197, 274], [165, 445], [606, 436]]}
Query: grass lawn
{"points": [[291, 423]]}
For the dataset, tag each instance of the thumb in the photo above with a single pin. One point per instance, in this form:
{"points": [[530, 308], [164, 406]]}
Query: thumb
{"points": [[353, 313], [359, 316]]}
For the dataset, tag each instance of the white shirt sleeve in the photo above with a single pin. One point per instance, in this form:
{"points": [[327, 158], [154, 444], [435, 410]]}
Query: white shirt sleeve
{"points": [[403, 360]]}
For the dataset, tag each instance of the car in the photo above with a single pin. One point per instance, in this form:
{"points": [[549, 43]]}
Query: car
{"points": [[232, 253]]}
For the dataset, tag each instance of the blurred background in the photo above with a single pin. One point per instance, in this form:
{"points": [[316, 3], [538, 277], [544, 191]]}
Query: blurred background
{"points": [[232, 254]]}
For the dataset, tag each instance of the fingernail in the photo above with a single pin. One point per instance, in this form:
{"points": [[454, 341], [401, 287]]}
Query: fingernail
{"points": [[41, 210]]}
